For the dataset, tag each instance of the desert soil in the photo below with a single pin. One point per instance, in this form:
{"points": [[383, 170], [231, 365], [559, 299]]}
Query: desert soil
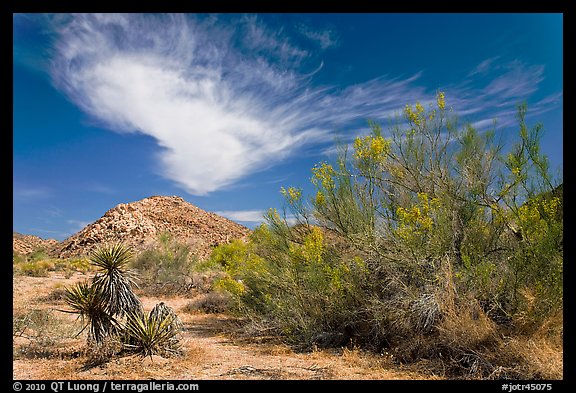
{"points": [[212, 350]]}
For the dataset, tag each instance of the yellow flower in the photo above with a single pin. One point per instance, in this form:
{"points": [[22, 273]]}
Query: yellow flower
{"points": [[419, 108], [323, 174], [313, 247], [371, 148], [320, 200], [441, 100]]}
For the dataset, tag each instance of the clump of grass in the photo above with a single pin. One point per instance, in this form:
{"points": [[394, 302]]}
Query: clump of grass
{"points": [[43, 331], [57, 295]]}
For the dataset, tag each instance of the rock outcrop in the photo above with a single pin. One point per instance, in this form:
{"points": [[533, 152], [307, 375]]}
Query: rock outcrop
{"points": [[25, 244], [140, 223]]}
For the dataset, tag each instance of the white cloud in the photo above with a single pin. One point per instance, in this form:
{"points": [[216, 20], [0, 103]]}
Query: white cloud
{"points": [[255, 216], [31, 192], [324, 38], [217, 115], [225, 100], [484, 67], [518, 82]]}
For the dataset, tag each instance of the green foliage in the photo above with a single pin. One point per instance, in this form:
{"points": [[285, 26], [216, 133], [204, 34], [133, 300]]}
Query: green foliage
{"points": [[38, 268], [406, 235], [88, 302], [302, 292], [102, 302], [18, 258], [113, 282], [37, 264], [212, 302]]}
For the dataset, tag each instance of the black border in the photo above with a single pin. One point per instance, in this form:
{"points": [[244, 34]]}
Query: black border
{"points": [[566, 7]]}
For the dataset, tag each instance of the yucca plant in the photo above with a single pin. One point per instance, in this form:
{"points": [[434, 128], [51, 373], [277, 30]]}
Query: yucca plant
{"points": [[113, 280], [155, 334], [88, 303], [111, 308]]}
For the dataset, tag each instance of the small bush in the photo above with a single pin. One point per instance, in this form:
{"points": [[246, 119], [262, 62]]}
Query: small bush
{"points": [[37, 255], [166, 268], [37, 268], [213, 302], [18, 258], [42, 329], [58, 294], [39, 265]]}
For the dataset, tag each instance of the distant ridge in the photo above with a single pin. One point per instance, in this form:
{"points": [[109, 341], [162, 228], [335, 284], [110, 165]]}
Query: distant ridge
{"points": [[25, 244], [139, 224]]}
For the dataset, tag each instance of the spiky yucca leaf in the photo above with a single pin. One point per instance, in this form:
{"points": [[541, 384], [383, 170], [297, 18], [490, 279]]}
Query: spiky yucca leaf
{"points": [[161, 311], [157, 334], [113, 280], [87, 302]]}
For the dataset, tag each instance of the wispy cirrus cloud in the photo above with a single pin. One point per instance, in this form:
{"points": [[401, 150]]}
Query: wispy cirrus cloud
{"points": [[225, 99], [217, 113], [494, 92], [31, 192], [484, 66], [325, 38]]}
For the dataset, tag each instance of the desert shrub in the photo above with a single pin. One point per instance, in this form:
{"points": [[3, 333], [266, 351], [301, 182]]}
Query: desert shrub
{"points": [[38, 264], [409, 238], [303, 292], [101, 353], [37, 268], [58, 294], [37, 255], [18, 258], [167, 267], [69, 266], [43, 331]]}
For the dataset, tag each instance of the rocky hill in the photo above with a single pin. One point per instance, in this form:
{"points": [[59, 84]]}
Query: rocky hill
{"points": [[25, 244], [140, 223]]}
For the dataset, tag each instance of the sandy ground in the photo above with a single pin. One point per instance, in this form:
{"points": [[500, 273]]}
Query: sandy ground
{"points": [[211, 349]]}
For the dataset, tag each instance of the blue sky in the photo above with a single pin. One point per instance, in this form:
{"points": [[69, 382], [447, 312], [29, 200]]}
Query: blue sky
{"points": [[223, 110]]}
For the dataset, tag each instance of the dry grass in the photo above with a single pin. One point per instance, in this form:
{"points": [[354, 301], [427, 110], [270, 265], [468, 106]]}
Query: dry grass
{"points": [[211, 349], [469, 345], [214, 348], [212, 302]]}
